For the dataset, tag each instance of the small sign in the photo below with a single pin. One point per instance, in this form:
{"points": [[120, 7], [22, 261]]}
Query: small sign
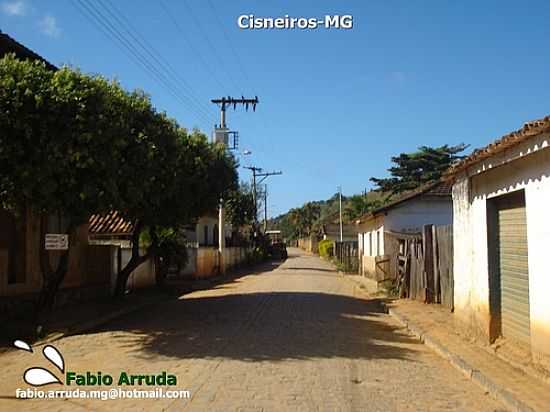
{"points": [[56, 241]]}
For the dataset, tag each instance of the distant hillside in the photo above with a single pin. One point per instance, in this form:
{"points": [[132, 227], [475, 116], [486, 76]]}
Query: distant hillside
{"points": [[310, 216]]}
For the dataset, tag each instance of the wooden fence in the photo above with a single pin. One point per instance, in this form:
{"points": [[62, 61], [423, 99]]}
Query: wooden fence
{"points": [[347, 254], [425, 266]]}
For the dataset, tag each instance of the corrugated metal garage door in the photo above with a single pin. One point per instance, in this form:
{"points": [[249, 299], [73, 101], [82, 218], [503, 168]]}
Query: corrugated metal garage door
{"points": [[513, 269]]}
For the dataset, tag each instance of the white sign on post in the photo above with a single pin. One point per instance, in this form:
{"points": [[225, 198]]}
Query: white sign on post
{"points": [[56, 241]]}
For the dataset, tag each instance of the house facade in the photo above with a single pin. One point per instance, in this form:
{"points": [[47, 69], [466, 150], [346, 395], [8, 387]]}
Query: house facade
{"points": [[378, 243], [501, 236], [206, 232], [89, 269], [331, 231]]}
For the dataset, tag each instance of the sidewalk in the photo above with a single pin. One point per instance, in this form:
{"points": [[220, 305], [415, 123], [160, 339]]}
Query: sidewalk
{"points": [[435, 327], [78, 318]]}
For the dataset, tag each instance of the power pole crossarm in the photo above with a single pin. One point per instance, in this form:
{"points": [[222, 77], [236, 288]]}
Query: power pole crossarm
{"points": [[258, 172], [230, 101], [267, 174]]}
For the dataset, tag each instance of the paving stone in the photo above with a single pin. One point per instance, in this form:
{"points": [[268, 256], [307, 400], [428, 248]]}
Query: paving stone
{"points": [[296, 337]]}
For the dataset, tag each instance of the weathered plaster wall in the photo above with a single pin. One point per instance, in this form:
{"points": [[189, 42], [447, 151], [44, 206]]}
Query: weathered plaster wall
{"points": [[524, 167], [471, 288], [208, 260]]}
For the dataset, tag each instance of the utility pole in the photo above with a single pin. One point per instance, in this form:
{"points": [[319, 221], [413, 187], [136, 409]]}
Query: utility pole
{"points": [[265, 208], [341, 228], [258, 172], [221, 135], [255, 171]]}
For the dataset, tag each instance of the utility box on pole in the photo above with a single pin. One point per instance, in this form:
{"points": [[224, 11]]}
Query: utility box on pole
{"points": [[221, 135]]}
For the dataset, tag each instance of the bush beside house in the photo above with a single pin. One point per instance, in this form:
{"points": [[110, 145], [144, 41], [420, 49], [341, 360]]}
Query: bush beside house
{"points": [[326, 248]]}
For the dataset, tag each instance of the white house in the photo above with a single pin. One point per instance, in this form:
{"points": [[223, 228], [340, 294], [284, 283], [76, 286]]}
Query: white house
{"points": [[331, 231], [206, 233], [501, 196], [378, 245]]}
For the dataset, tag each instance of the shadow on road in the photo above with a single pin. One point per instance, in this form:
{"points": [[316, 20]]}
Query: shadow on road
{"points": [[264, 326], [315, 269], [63, 319]]}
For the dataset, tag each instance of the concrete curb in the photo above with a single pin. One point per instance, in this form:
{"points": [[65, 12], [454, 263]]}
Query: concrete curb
{"points": [[497, 391]]}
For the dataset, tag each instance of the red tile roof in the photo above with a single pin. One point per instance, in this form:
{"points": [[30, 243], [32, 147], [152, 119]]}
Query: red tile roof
{"points": [[530, 129], [111, 223]]}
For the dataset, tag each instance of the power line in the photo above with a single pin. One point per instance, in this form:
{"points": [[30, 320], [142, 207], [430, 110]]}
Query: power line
{"points": [[228, 40], [190, 44], [97, 19], [210, 45], [152, 52], [238, 61], [106, 26], [258, 172]]}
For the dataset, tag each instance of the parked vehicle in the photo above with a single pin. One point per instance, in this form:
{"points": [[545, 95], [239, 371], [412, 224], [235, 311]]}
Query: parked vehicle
{"points": [[277, 250]]}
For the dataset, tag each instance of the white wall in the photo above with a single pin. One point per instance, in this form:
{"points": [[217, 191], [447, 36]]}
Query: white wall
{"points": [[411, 215], [142, 277], [367, 236], [210, 222], [527, 167]]}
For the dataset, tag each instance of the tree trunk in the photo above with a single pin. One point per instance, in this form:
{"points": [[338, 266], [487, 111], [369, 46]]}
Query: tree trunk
{"points": [[162, 266], [135, 261], [51, 279]]}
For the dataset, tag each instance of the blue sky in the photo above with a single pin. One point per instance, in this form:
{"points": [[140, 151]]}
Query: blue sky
{"points": [[335, 105]]}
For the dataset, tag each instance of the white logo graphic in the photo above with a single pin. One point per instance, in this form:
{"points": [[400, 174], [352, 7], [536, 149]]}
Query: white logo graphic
{"points": [[37, 376]]}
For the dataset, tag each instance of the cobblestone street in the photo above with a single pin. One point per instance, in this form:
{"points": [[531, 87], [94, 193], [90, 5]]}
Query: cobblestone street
{"points": [[297, 337]]}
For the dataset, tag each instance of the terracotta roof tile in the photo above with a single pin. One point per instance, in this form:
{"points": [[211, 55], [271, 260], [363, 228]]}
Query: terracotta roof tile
{"points": [[111, 223], [530, 129]]}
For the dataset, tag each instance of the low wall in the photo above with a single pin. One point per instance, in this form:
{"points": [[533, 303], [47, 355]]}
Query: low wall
{"points": [[142, 277], [309, 244], [208, 260], [376, 267], [191, 265], [234, 256]]}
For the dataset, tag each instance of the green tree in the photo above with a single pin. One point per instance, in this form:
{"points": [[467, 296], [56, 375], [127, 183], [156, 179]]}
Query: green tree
{"points": [[60, 144], [358, 205], [305, 219], [240, 206], [412, 170], [184, 178], [73, 145]]}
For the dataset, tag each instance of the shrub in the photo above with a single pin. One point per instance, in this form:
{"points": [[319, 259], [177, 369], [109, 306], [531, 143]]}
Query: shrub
{"points": [[326, 248]]}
